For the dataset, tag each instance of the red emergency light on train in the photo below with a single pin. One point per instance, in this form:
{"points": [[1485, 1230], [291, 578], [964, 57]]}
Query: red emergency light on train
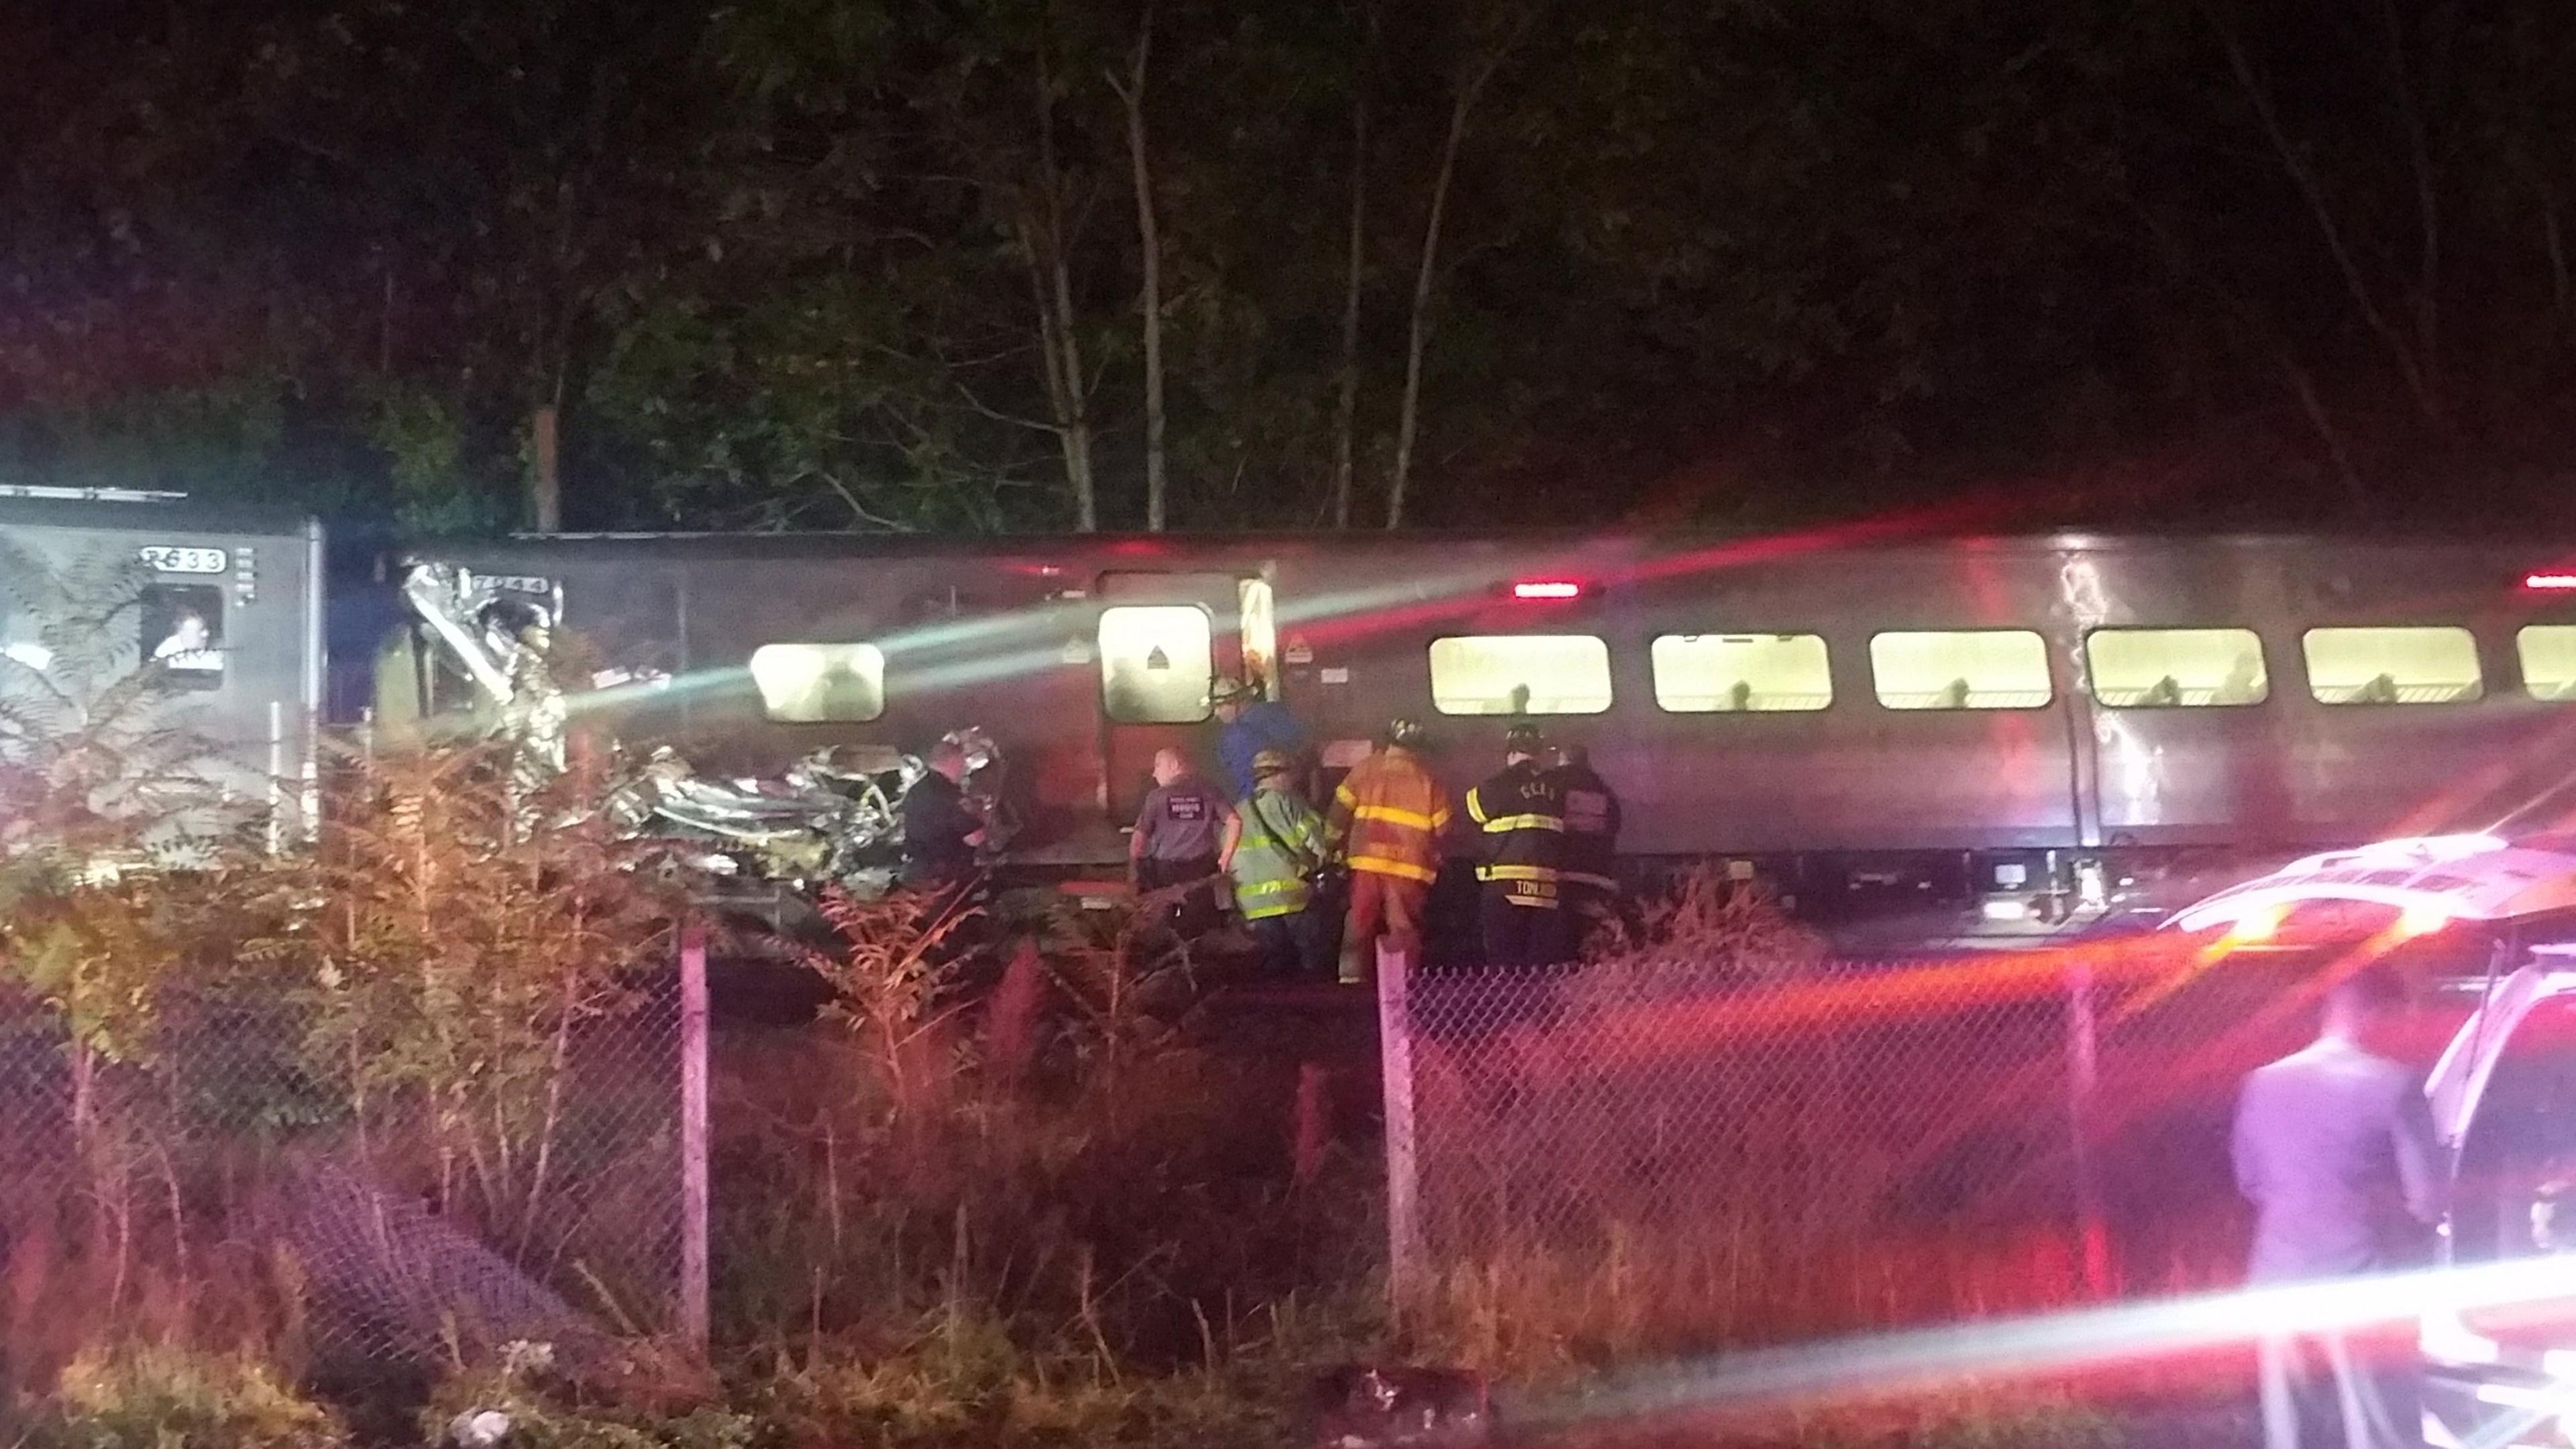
{"points": [[1547, 589]]}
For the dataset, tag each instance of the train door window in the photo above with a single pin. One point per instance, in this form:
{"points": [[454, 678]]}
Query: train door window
{"points": [[183, 632], [2185, 668], [1257, 624], [1719, 673], [820, 683], [1520, 674], [2548, 660], [1157, 662], [1961, 669], [2422, 664]]}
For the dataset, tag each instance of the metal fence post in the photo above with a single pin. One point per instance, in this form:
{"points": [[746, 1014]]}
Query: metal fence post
{"points": [[693, 1134], [1395, 1071], [2083, 1073]]}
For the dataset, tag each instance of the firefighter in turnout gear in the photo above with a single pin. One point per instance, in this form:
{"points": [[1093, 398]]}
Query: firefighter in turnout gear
{"points": [[1385, 824], [1274, 849], [1520, 856], [1591, 847]]}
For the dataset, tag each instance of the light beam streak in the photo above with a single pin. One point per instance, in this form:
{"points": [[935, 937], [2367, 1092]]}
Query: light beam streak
{"points": [[1874, 1366]]}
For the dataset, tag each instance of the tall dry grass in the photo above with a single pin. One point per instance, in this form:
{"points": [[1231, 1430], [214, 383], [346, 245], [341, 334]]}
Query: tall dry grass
{"points": [[1046, 1150], [1705, 1138]]}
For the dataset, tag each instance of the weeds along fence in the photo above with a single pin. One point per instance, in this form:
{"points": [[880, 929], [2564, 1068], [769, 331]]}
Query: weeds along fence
{"points": [[1660, 1153], [238, 1168]]}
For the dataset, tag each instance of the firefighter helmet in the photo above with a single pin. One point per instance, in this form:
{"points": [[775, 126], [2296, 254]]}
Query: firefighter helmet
{"points": [[1405, 732], [1268, 763], [1523, 739]]}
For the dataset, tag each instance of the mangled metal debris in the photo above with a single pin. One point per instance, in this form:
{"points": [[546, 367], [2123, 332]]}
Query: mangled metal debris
{"points": [[832, 817]]}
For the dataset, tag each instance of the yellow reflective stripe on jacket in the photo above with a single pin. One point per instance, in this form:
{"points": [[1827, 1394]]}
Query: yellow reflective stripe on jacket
{"points": [[1518, 872], [1260, 900], [1396, 815], [1476, 804], [1381, 865], [1505, 824]]}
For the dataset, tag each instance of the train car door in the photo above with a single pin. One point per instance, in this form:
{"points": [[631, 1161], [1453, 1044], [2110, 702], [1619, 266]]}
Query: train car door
{"points": [[1163, 640]]}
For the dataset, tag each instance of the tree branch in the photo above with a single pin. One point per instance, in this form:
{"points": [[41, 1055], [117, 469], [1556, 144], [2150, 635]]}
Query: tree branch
{"points": [[1418, 334], [858, 510], [2320, 209], [1037, 425]]}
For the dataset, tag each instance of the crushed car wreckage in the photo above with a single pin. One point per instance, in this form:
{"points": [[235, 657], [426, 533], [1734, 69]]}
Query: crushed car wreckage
{"points": [[832, 817]]}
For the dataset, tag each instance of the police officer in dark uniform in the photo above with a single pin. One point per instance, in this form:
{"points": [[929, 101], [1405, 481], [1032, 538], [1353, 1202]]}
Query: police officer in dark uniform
{"points": [[1520, 822], [1179, 832]]}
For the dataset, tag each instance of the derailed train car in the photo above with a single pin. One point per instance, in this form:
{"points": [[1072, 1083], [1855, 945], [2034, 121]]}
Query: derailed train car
{"points": [[2011, 730], [228, 603]]}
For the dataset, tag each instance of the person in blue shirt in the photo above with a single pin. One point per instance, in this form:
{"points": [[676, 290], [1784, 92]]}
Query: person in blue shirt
{"points": [[1250, 724]]}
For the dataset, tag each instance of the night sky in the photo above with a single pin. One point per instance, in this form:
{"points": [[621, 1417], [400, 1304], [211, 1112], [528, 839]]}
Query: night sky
{"points": [[841, 264]]}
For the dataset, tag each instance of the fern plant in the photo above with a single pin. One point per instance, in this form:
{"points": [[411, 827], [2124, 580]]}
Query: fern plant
{"points": [[103, 765], [104, 780], [453, 938]]}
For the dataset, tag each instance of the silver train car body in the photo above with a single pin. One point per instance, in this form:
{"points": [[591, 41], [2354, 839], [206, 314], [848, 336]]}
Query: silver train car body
{"points": [[246, 676], [1788, 704]]}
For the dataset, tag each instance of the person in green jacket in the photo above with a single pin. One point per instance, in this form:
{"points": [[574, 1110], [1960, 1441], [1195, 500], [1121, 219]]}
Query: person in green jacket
{"points": [[1273, 848]]}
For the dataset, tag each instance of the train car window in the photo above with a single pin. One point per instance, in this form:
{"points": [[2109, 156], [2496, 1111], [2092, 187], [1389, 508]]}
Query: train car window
{"points": [[1961, 669], [1520, 674], [820, 683], [1720, 673], [2548, 660], [2176, 668], [183, 632], [2419, 664], [1157, 662]]}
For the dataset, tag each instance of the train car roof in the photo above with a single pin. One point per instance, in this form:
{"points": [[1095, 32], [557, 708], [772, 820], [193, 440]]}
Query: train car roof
{"points": [[1151, 545], [135, 512]]}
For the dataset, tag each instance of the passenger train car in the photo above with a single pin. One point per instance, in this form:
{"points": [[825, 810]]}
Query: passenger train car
{"points": [[2012, 728], [230, 602], [2009, 728]]}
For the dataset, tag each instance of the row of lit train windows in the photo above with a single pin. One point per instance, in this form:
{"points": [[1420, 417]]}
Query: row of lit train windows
{"points": [[1972, 669], [1157, 661]]}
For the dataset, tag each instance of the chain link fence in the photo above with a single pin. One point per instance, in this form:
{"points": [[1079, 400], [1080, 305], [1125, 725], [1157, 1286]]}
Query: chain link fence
{"points": [[1657, 1155], [221, 1178]]}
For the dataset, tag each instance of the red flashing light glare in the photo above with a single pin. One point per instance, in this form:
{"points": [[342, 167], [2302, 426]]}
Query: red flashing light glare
{"points": [[2551, 581], [1564, 589]]}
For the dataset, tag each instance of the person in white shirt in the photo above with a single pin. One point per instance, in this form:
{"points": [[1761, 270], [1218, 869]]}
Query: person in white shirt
{"points": [[2334, 1147], [190, 645]]}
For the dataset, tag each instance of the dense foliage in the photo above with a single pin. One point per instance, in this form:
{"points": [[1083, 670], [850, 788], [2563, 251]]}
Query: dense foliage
{"points": [[854, 263]]}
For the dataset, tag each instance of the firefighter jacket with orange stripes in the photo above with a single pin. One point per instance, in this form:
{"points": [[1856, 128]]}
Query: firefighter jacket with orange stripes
{"points": [[1520, 840], [1388, 815]]}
